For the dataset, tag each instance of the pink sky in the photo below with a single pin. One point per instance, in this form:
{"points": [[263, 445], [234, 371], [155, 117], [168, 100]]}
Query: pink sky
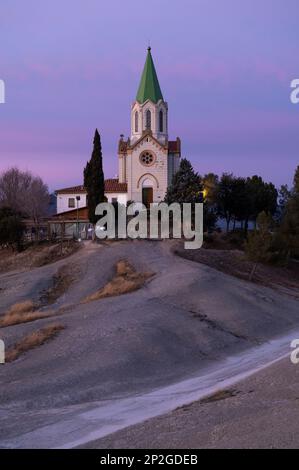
{"points": [[224, 67]]}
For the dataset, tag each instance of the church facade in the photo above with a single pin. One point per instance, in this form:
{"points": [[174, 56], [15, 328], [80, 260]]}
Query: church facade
{"points": [[147, 160]]}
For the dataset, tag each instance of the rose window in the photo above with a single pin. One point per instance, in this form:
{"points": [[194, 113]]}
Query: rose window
{"points": [[147, 158]]}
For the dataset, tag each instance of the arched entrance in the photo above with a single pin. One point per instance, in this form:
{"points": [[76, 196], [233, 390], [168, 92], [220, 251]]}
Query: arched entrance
{"points": [[147, 192]]}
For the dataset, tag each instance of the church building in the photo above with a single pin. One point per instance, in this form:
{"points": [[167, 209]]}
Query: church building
{"points": [[147, 160]]}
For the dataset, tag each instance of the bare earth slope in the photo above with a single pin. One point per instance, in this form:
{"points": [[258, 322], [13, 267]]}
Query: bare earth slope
{"points": [[186, 318], [260, 412]]}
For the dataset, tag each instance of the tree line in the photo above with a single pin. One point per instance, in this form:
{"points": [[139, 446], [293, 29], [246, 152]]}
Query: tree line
{"points": [[237, 200], [240, 202]]}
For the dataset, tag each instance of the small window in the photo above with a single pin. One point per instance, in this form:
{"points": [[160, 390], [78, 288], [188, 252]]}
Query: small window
{"points": [[161, 121], [148, 120], [136, 121], [71, 202]]}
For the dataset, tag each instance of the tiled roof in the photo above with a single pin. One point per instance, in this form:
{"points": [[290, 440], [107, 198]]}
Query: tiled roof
{"points": [[71, 190], [112, 185], [81, 213]]}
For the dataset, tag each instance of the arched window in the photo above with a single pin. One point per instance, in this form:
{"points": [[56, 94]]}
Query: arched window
{"points": [[136, 121], [148, 119], [161, 121]]}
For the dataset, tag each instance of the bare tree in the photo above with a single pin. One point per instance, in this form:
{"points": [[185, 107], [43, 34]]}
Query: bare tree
{"points": [[36, 200], [24, 193], [13, 185]]}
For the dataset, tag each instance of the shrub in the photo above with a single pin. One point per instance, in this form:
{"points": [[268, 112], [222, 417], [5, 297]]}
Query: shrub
{"points": [[11, 228], [263, 246]]}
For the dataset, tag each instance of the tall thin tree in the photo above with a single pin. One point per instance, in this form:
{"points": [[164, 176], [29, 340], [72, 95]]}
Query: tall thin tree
{"points": [[94, 178]]}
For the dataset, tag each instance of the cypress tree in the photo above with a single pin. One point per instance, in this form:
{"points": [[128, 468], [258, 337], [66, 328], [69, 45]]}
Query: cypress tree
{"points": [[94, 179]]}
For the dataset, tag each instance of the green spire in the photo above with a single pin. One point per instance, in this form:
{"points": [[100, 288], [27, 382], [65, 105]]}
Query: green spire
{"points": [[149, 88]]}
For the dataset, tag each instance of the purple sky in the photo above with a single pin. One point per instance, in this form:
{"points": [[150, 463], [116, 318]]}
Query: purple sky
{"points": [[224, 67]]}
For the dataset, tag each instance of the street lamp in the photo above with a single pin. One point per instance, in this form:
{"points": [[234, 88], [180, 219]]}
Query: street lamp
{"points": [[77, 199]]}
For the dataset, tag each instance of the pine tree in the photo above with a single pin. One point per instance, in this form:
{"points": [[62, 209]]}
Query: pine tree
{"points": [[226, 197], [289, 230], [94, 179], [211, 186], [264, 197], [186, 185], [258, 247], [284, 195]]}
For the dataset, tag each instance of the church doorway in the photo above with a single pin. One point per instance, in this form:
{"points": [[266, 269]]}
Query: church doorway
{"points": [[147, 197]]}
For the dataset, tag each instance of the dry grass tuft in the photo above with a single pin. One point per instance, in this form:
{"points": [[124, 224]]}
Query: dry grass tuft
{"points": [[125, 280], [21, 307], [22, 312], [124, 268], [33, 340], [220, 395], [61, 282]]}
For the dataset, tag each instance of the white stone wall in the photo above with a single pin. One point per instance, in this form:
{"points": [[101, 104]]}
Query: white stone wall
{"points": [[121, 197], [157, 173], [122, 161], [62, 202]]}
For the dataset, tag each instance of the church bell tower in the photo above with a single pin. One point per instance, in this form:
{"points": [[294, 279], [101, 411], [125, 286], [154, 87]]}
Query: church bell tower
{"points": [[149, 111], [148, 159]]}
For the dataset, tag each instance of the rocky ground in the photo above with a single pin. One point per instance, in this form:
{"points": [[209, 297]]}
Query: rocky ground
{"points": [[183, 319]]}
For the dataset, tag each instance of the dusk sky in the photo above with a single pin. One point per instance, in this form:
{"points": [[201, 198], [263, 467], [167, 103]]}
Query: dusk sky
{"points": [[224, 67]]}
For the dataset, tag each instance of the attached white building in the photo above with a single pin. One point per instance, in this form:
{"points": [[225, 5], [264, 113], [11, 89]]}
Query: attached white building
{"points": [[75, 197]]}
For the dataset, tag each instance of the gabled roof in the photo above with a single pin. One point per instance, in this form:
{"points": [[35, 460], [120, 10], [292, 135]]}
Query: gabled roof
{"points": [[149, 88], [112, 185], [81, 213], [71, 190], [147, 133]]}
